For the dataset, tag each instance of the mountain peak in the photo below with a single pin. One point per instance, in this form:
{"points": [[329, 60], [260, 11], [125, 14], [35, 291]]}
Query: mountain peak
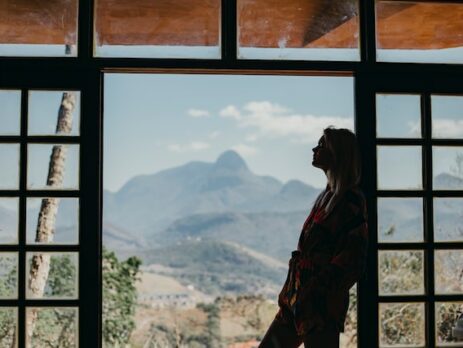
{"points": [[231, 160]]}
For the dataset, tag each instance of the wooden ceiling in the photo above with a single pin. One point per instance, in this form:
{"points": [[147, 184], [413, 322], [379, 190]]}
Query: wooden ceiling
{"points": [[269, 23]]}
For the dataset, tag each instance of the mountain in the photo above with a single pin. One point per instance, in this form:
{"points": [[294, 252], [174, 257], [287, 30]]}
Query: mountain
{"points": [[219, 267], [272, 233], [446, 181], [148, 204], [8, 226]]}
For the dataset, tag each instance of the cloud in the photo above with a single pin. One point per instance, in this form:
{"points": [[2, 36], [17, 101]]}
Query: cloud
{"points": [[230, 111], [245, 150], [251, 138], [193, 146], [273, 120], [448, 128], [214, 134], [197, 113]]}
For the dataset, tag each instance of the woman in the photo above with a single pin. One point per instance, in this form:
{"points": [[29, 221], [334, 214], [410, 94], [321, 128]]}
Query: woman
{"points": [[330, 255]]}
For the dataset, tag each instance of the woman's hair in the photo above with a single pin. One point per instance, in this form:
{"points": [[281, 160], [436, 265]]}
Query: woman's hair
{"points": [[346, 167]]}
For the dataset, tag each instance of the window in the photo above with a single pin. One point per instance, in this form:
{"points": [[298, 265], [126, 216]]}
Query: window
{"points": [[417, 181], [39, 208]]}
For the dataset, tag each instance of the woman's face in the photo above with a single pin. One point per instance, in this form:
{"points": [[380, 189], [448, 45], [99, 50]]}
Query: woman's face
{"points": [[322, 157]]}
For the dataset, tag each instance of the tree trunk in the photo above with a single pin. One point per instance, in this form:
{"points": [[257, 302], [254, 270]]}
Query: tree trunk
{"points": [[40, 265]]}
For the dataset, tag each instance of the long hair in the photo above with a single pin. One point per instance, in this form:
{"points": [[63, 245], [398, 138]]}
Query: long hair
{"points": [[346, 169]]}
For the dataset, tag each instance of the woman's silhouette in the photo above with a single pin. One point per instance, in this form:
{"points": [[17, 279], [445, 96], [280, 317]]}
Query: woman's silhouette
{"points": [[331, 252]]}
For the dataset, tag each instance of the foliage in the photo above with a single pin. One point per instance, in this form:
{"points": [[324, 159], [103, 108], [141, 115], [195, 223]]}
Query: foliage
{"points": [[62, 276], [401, 273], [8, 317], [119, 298], [7, 327], [8, 276], [213, 338], [447, 314], [55, 328]]}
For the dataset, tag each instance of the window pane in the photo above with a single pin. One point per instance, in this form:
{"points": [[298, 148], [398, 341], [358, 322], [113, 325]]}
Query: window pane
{"points": [[447, 167], [8, 327], [158, 29], [401, 272], [447, 314], [400, 220], [447, 116], [401, 324], [398, 116], [419, 31], [62, 159], [212, 216], [301, 30], [448, 270], [9, 175], [11, 112], [9, 221], [399, 167], [53, 220], [52, 275], [448, 219], [52, 327], [8, 276], [54, 113], [47, 28]]}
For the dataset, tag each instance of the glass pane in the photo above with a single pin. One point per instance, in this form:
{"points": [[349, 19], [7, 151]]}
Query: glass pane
{"points": [[448, 219], [53, 220], [11, 112], [447, 167], [9, 175], [447, 116], [401, 324], [218, 203], [302, 30], [8, 276], [400, 220], [9, 220], [53, 166], [54, 113], [422, 32], [447, 314], [48, 28], [398, 116], [401, 272], [52, 327], [399, 167], [52, 275], [8, 327], [448, 271], [157, 29]]}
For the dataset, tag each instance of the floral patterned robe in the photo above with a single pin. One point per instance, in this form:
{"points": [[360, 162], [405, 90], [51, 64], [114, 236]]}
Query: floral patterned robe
{"points": [[330, 259]]}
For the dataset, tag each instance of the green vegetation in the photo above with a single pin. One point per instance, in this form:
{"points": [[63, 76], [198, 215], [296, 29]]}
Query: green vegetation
{"points": [[119, 298], [218, 268]]}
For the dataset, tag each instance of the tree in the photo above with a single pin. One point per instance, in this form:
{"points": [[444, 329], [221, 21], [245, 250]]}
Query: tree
{"points": [[119, 298], [40, 263]]}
